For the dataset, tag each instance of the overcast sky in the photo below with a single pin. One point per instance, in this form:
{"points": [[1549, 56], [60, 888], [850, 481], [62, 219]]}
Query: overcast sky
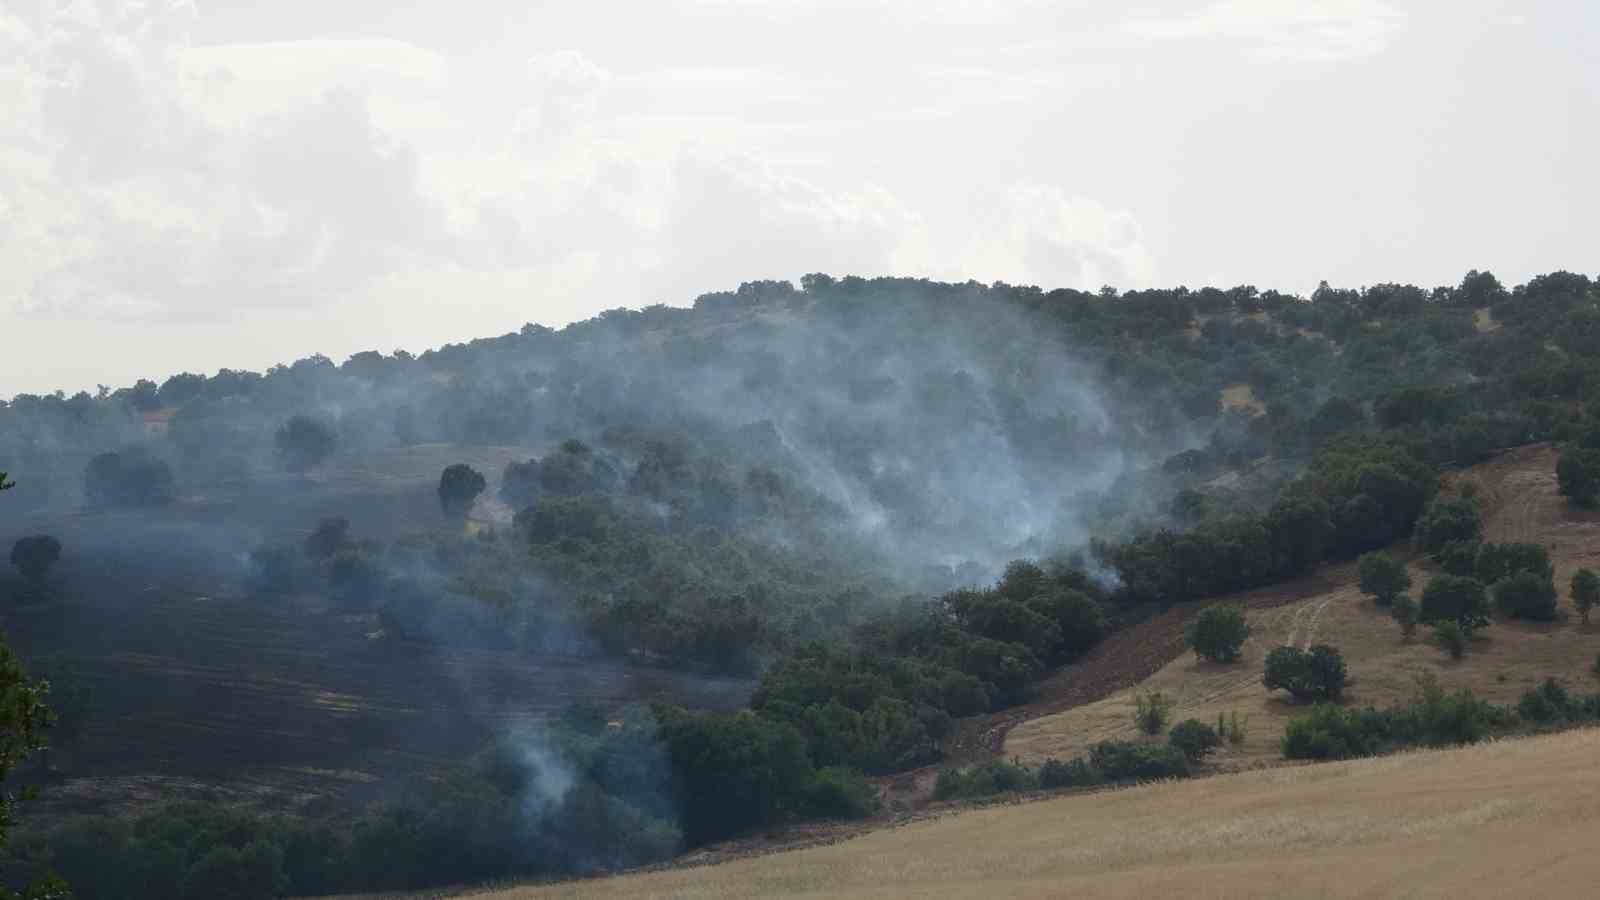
{"points": [[186, 186]]}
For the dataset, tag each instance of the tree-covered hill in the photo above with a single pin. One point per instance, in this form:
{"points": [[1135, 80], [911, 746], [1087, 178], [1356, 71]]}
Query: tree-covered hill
{"points": [[894, 502]]}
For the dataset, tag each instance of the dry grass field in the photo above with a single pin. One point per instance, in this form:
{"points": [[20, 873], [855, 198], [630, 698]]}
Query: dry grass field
{"points": [[1510, 818], [1520, 504]]}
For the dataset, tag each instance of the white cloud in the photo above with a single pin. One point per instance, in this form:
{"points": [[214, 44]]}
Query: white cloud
{"points": [[942, 12], [144, 181], [1316, 30]]}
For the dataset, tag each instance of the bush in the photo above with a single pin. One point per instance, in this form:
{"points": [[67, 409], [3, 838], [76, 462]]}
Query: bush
{"points": [[459, 487], [1383, 577], [1585, 592], [303, 443], [1450, 637], [133, 480], [1546, 704], [1448, 519], [1332, 732], [1218, 633], [1578, 476], [1406, 613], [841, 793], [1194, 739], [1123, 761], [1152, 712], [733, 773], [1456, 599], [1075, 773], [1500, 561], [1437, 719], [994, 777], [1318, 675], [1526, 595], [1459, 558]]}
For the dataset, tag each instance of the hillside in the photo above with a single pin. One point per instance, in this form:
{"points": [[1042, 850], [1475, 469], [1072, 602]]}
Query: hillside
{"points": [[1508, 818], [676, 581], [1520, 504]]}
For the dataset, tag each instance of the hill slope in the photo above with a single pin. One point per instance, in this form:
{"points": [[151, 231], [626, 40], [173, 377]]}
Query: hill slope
{"points": [[1520, 504], [1511, 817]]}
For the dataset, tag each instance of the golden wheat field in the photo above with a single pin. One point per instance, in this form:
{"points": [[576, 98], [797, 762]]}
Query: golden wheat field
{"points": [[1509, 818]]}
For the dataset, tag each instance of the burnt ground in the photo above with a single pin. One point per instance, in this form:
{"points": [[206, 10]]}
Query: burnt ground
{"points": [[197, 689]]}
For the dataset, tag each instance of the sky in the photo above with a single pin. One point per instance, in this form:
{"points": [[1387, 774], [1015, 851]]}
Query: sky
{"points": [[186, 186]]}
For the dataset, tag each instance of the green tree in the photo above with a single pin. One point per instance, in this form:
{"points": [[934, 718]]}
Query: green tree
{"points": [[735, 772], [1080, 619], [1383, 577], [303, 443], [1218, 633], [1457, 599], [1578, 476], [1585, 592], [4, 484], [1448, 519], [23, 720], [132, 479], [459, 487], [1318, 674], [1526, 595]]}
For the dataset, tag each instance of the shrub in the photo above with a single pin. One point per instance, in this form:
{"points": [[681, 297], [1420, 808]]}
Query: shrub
{"points": [[132, 479], [1332, 732], [1315, 675], [1218, 633], [1578, 476], [1499, 561], [1233, 727], [1075, 773], [1431, 717], [1123, 761], [1448, 519], [1526, 595], [1383, 577], [735, 772], [1152, 712], [1457, 599], [994, 777], [840, 793], [1450, 637], [459, 487], [303, 443], [1546, 704], [1459, 557], [1194, 739], [1438, 719], [1405, 612], [1585, 592]]}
